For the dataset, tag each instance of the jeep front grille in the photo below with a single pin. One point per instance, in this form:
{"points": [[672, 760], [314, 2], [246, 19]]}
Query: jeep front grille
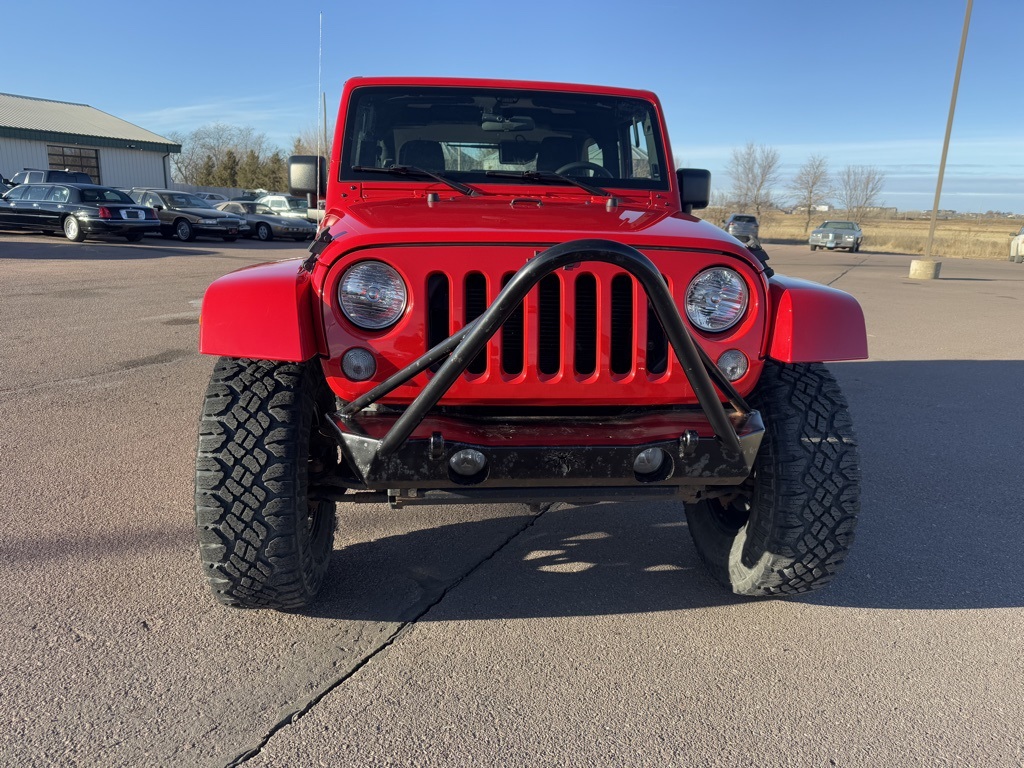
{"points": [[574, 302]]}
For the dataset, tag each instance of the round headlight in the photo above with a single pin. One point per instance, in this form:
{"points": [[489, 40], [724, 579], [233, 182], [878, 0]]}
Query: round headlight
{"points": [[716, 299], [372, 295]]}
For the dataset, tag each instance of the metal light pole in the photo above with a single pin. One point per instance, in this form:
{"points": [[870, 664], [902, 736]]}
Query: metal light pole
{"points": [[949, 128]]}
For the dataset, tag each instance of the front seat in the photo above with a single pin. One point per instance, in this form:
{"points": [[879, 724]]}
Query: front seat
{"points": [[554, 152], [422, 153]]}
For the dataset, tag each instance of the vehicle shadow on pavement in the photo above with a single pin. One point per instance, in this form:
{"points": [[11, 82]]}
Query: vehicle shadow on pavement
{"points": [[96, 250], [940, 527], [942, 517]]}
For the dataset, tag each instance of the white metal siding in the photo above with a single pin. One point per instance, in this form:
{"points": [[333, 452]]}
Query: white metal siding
{"points": [[118, 167]]}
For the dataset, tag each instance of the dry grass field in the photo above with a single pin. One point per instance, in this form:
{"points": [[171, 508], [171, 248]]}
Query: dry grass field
{"points": [[963, 238]]}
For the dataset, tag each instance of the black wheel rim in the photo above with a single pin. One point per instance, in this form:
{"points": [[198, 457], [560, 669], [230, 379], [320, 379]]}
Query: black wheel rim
{"points": [[319, 513], [730, 513]]}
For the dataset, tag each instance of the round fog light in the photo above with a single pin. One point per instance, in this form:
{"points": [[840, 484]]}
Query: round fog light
{"points": [[467, 462], [358, 364], [733, 364], [648, 461]]}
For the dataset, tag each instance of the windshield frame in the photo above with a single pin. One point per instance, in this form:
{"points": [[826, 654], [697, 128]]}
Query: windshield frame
{"points": [[367, 101]]}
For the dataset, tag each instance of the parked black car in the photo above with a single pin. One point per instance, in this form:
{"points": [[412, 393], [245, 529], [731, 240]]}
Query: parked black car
{"points": [[77, 209], [183, 215]]}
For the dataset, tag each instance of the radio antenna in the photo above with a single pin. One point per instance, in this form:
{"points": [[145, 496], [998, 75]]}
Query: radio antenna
{"points": [[319, 71]]}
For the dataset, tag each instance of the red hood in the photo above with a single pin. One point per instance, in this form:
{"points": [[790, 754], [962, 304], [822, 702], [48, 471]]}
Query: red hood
{"points": [[496, 220]]}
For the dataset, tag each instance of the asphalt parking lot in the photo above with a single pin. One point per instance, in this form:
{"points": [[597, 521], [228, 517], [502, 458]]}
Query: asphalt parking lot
{"points": [[493, 635]]}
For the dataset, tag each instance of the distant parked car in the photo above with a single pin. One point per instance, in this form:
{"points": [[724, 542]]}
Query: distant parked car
{"points": [[742, 226], [211, 197], [185, 216], [77, 209], [40, 176], [1017, 247], [285, 205], [837, 234], [264, 224]]}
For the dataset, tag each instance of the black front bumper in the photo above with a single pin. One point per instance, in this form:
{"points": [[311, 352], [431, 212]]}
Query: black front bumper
{"points": [[548, 458], [549, 455]]}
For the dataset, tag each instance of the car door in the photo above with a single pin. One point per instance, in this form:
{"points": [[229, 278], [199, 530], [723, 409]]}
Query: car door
{"points": [[54, 207], [33, 208], [10, 211], [153, 200]]}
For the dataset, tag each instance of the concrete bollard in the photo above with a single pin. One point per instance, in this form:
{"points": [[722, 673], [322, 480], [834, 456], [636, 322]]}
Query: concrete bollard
{"points": [[925, 269]]}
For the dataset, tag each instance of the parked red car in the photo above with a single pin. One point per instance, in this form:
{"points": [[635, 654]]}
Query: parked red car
{"points": [[509, 301]]}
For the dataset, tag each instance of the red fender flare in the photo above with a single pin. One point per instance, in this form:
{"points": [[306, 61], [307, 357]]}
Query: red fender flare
{"points": [[263, 312], [814, 323]]}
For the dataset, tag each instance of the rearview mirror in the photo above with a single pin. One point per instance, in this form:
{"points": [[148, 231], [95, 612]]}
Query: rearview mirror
{"points": [[307, 175], [694, 188], [505, 124]]}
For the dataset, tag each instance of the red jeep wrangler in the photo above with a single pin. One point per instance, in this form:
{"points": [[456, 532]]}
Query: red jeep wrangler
{"points": [[509, 301]]}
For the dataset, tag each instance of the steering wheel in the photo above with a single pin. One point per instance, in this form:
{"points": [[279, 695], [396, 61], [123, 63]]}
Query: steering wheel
{"points": [[599, 170]]}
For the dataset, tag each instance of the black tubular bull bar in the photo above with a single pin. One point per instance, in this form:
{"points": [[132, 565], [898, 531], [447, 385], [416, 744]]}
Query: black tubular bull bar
{"points": [[737, 436]]}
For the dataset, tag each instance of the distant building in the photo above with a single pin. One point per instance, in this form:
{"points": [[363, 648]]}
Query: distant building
{"points": [[39, 133], [881, 211]]}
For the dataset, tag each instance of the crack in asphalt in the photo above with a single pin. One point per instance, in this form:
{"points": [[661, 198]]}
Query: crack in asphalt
{"points": [[162, 358], [306, 708], [845, 271]]}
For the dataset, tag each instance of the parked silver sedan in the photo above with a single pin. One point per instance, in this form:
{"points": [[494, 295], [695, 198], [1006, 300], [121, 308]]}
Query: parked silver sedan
{"points": [[837, 234], [265, 224]]}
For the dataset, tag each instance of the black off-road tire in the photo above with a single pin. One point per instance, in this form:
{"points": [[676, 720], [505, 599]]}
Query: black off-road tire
{"points": [[262, 542], [789, 530], [814, 247]]}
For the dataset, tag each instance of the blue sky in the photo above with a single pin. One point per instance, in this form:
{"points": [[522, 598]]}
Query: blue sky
{"points": [[864, 83]]}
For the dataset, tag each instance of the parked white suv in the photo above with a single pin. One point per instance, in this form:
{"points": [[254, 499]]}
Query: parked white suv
{"points": [[285, 205]]}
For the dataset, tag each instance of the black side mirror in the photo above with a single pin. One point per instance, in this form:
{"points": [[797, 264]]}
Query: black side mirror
{"points": [[307, 175], [694, 188]]}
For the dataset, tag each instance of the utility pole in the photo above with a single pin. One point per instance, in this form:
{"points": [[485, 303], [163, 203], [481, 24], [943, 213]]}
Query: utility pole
{"points": [[949, 128]]}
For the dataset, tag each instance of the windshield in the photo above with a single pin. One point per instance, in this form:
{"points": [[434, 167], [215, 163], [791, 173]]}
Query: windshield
{"points": [[465, 132], [837, 225], [181, 200]]}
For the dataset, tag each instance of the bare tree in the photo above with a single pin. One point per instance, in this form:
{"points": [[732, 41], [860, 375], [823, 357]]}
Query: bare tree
{"points": [[811, 186], [212, 142], [312, 142], [858, 189], [754, 171]]}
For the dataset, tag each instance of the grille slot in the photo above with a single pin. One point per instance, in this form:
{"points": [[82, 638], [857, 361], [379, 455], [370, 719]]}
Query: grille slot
{"points": [[622, 324], [438, 311], [476, 303], [585, 323], [549, 342], [657, 341], [512, 334]]}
